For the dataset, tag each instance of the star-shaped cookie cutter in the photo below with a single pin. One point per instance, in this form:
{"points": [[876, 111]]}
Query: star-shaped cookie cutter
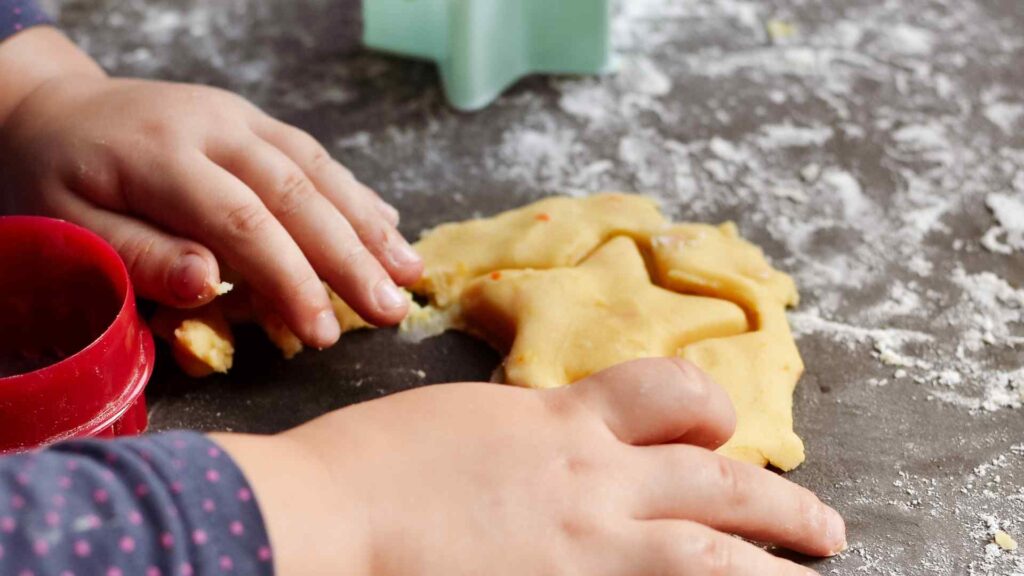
{"points": [[481, 47]]}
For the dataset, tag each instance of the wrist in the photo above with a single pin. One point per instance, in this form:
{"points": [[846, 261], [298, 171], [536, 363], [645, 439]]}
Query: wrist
{"points": [[310, 519], [34, 57]]}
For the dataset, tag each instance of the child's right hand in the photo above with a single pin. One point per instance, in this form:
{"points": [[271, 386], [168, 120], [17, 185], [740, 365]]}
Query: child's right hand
{"points": [[613, 476], [172, 174]]}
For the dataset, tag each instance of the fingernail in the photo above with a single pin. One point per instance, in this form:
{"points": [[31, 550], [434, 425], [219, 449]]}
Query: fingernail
{"points": [[836, 531], [189, 277], [402, 254], [326, 329], [388, 295]]}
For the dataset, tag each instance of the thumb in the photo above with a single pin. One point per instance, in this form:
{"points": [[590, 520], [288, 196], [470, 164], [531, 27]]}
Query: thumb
{"points": [[657, 401]]}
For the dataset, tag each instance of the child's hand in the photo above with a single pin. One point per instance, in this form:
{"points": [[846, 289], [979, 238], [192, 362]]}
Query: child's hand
{"points": [[610, 477], [168, 173]]}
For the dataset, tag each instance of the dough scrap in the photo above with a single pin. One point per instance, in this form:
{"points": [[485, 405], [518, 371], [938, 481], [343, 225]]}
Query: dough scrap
{"points": [[1005, 541], [200, 339], [720, 304]]}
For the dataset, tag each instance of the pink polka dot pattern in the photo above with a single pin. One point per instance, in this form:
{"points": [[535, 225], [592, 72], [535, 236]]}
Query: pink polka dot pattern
{"points": [[7, 524], [127, 544], [171, 504], [82, 548]]}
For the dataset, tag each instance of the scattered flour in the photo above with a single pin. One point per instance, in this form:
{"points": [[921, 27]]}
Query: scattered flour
{"points": [[1008, 210]]}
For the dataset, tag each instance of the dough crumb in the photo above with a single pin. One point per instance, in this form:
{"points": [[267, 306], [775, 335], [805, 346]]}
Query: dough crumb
{"points": [[1005, 541]]}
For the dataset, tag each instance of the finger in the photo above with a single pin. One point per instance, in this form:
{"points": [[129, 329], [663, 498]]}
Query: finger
{"points": [[162, 267], [371, 217], [325, 236], [682, 548], [658, 400], [690, 483], [194, 196]]}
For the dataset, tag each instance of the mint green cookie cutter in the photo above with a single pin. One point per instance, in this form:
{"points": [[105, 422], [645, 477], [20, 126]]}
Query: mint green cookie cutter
{"points": [[482, 46]]}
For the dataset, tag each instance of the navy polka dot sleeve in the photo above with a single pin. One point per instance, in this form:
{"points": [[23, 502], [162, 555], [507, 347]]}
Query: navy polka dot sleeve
{"points": [[171, 504], [16, 15]]}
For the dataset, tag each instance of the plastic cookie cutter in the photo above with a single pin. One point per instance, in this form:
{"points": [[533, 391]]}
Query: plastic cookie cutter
{"points": [[482, 46]]}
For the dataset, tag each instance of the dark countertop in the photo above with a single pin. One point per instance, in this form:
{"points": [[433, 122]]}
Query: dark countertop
{"points": [[869, 146]]}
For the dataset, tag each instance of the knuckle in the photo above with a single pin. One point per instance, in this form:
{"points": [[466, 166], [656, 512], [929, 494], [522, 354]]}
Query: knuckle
{"points": [[562, 405], [293, 193], [308, 285], [811, 515], [576, 465], [375, 235], [713, 556], [134, 250], [354, 255], [248, 219], [158, 131], [728, 480], [697, 384], [576, 529], [319, 159]]}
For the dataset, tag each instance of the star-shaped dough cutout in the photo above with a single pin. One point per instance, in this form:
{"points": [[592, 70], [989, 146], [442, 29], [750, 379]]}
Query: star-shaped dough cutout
{"points": [[563, 324]]}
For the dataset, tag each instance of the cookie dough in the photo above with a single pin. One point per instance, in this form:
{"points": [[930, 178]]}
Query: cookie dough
{"points": [[550, 233], [562, 324], [567, 305]]}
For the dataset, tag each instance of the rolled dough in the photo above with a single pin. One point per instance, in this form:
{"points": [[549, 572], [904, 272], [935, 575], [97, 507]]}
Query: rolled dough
{"points": [[567, 287]]}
